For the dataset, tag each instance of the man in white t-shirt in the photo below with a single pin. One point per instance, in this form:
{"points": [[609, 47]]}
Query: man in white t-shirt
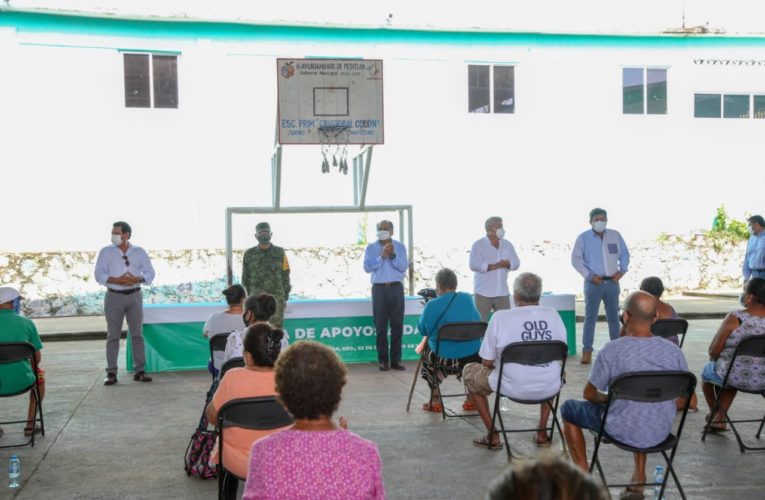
{"points": [[491, 258], [528, 321]]}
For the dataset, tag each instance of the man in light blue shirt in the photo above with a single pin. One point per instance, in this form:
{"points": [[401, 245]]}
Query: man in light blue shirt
{"points": [[602, 258], [386, 260], [754, 261]]}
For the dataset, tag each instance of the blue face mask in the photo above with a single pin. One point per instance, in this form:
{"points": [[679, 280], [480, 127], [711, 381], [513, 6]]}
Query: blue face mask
{"points": [[17, 305]]}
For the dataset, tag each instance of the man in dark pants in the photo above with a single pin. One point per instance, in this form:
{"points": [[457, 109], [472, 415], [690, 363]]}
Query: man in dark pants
{"points": [[386, 260]]}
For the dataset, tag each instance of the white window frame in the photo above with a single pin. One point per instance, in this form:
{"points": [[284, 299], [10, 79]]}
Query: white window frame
{"points": [[645, 89], [491, 66], [151, 55], [722, 95]]}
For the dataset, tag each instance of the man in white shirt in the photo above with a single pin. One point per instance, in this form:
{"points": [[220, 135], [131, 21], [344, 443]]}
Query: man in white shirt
{"points": [[526, 322], [491, 258], [122, 268]]}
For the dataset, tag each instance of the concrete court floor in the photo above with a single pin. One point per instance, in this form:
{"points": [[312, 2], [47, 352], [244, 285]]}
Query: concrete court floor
{"points": [[128, 441]]}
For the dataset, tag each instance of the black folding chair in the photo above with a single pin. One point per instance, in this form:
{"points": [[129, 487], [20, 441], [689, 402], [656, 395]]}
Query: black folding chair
{"points": [[260, 413], [231, 363], [669, 327], [217, 343], [22, 352], [535, 353], [753, 347], [647, 387], [464, 331]]}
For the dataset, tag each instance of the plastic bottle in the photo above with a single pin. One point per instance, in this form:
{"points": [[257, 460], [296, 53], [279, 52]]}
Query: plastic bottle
{"points": [[658, 477], [14, 472]]}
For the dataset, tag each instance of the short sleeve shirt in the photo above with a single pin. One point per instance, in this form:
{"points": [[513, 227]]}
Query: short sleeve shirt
{"points": [[14, 328], [450, 307], [627, 419], [523, 324], [241, 383]]}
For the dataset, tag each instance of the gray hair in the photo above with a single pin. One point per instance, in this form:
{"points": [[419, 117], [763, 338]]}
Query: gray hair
{"points": [[490, 221], [446, 279], [528, 287], [389, 223]]}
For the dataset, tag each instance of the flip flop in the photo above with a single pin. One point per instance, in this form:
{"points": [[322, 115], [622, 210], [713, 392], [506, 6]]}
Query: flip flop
{"points": [[433, 407], [546, 443], [483, 442], [716, 426], [628, 494]]}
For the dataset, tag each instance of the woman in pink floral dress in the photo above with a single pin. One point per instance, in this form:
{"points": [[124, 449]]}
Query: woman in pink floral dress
{"points": [[315, 458]]}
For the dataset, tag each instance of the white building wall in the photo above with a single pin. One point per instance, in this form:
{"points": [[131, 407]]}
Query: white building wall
{"points": [[75, 159]]}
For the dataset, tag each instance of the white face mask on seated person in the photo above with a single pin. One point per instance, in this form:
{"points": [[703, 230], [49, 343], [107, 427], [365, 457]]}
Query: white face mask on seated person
{"points": [[383, 235]]}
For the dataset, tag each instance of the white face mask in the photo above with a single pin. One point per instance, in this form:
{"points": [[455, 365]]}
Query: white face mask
{"points": [[383, 235], [750, 230], [117, 239], [500, 233], [599, 226]]}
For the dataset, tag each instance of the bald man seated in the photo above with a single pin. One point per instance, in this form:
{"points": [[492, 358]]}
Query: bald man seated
{"points": [[636, 424]]}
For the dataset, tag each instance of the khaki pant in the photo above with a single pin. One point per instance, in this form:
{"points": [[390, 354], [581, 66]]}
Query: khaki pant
{"points": [[476, 378], [486, 304]]}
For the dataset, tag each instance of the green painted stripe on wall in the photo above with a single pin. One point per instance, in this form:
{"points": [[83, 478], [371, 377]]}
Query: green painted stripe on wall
{"points": [[25, 22]]}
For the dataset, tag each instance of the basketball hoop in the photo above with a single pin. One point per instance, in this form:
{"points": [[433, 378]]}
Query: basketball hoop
{"points": [[334, 144]]}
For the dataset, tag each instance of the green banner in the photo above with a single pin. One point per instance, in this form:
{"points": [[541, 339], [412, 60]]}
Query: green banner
{"points": [[352, 338], [181, 346]]}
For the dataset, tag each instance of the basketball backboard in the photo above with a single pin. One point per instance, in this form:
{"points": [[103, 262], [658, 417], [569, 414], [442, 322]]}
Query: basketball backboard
{"points": [[332, 101]]}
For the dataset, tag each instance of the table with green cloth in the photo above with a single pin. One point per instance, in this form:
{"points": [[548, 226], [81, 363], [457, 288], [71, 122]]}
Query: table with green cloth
{"points": [[173, 332]]}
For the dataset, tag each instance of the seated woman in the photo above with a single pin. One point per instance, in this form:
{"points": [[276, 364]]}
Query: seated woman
{"points": [[257, 309], [262, 344], [450, 307], [225, 321], [655, 287], [736, 326], [313, 458]]}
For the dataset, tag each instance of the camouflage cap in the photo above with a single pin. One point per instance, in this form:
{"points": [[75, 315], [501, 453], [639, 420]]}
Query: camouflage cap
{"points": [[263, 226]]}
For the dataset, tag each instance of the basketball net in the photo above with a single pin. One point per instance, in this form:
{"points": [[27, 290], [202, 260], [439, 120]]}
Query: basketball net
{"points": [[334, 146]]}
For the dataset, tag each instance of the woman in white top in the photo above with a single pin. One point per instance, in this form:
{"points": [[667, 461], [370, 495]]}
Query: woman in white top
{"points": [[257, 309], [225, 321]]}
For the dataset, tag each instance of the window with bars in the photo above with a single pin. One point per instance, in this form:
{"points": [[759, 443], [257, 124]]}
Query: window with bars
{"points": [[151, 80], [491, 88]]}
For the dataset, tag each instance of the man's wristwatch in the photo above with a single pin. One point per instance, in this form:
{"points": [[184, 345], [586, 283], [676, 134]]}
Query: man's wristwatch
{"points": [[392, 256]]}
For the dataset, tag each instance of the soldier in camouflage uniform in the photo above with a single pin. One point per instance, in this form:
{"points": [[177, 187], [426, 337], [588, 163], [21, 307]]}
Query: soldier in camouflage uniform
{"points": [[265, 270]]}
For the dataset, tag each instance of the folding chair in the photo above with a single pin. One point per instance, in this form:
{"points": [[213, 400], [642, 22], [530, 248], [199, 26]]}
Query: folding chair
{"points": [[21, 352], [260, 413], [464, 331], [534, 353], [647, 387], [669, 327], [753, 347], [231, 363], [217, 344], [455, 332]]}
